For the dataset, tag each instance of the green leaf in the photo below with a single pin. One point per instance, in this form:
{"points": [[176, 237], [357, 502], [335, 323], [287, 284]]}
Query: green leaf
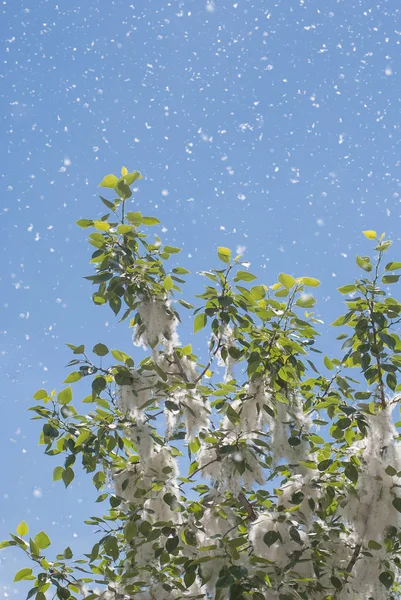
{"points": [[125, 229], [244, 276], [387, 579], [370, 234], [347, 289], [397, 504], [384, 246], [393, 266], [336, 582], [84, 223], [100, 350], [325, 464], [374, 545], [65, 396], [67, 476], [150, 221], [40, 395], [115, 304], [174, 250], [351, 472], [200, 322], [286, 280], [390, 278], [306, 301], [101, 225], [168, 283], [58, 473], [224, 254], [99, 298], [327, 363], [130, 178], [310, 281], [22, 528], [24, 574], [130, 531], [189, 578], [72, 377], [271, 537], [364, 263], [42, 540], [172, 543], [110, 181], [232, 415]]}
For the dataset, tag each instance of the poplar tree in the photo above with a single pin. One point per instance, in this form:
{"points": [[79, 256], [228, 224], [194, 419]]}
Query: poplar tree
{"points": [[261, 469]]}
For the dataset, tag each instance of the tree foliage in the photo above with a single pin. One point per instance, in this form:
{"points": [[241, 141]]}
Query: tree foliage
{"points": [[262, 470]]}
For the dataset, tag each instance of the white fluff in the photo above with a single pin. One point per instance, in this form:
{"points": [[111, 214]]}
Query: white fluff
{"points": [[280, 431], [370, 511], [280, 552], [227, 339], [141, 436], [251, 411], [193, 410], [303, 484], [159, 324], [132, 474], [224, 472], [136, 395], [156, 509]]}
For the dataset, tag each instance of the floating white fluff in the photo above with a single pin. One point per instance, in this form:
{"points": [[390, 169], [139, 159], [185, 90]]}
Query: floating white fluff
{"points": [[159, 324]]}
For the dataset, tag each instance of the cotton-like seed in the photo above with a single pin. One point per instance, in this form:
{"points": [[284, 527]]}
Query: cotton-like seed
{"points": [[158, 324], [375, 488], [225, 472], [141, 435]]}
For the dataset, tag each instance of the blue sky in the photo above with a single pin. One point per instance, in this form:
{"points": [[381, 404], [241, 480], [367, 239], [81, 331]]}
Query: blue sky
{"points": [[267, 125]]}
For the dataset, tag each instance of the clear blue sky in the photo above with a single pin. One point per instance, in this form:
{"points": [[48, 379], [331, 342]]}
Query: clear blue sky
{"points": [[269, 125]]}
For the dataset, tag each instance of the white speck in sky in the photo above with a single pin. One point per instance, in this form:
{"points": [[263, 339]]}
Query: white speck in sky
{"points": [[210, 6], [388, 71], [37, 493]]}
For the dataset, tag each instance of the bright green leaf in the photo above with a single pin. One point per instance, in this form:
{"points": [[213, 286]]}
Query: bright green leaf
{"points": [[110, 181], [24, 574], [370, 234], [65, 396], [224, 254], [42, 540], [310, 281], [286, 280], [101, 225], [199, 322], [22, 528], [168, 283]]}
